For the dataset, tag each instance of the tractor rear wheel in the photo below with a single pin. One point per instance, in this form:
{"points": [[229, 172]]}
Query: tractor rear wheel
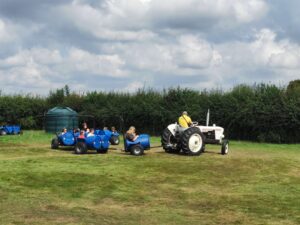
{"points": [[80, 148], [192, 141], [225, 147], [137, 150], [54, 143], [169, 142], [114, 140]]}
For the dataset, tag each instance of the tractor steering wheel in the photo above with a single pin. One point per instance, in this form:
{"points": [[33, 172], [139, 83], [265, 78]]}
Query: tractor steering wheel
{"points": [[194, 123]]}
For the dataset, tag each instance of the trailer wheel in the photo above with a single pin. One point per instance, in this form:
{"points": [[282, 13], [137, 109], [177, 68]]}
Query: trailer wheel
{"points": [[102, 151], [114, 140], [137, 150], [80, 148], [192, 141], [225, 147], [2, 132], [54, 143], [169, 142]]}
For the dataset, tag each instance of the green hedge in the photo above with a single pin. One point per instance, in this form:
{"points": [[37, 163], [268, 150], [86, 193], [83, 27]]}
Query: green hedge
{"points": [[265, 113]]}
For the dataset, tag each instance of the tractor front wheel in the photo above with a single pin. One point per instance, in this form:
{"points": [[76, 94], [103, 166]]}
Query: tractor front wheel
{"points": [[225, 147], [192, 141], [54, 143], [80, 148], [137, 150]]}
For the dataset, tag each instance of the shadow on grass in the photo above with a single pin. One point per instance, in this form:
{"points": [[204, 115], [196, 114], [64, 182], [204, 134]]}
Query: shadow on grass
{"points": [[64, 149], [187, 155]]}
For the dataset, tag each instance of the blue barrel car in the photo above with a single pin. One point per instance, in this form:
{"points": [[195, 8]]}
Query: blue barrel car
{"points": [[138, 146], [67, 139], [98, 142], [10, 129]]}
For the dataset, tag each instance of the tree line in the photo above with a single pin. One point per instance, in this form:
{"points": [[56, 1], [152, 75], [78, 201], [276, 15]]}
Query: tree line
{"points": [[261, 112]]}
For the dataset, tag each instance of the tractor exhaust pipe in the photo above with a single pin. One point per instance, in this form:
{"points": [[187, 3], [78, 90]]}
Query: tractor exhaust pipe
{"points": [[207, 118]]}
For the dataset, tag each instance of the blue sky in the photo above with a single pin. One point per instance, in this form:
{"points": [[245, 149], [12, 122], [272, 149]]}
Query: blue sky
{"points": [[123, 45]]}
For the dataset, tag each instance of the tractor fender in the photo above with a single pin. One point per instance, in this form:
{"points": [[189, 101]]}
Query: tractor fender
{"points": [[173, 128]]}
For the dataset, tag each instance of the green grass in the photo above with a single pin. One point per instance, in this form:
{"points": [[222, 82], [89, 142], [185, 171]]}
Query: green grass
{"points": [[254, 184]]}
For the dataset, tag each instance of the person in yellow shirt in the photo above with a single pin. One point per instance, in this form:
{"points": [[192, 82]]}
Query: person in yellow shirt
{"points": [[185, 121]]}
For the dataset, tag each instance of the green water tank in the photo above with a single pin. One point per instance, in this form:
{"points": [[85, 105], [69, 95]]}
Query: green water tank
{"points": [[60, 117]]}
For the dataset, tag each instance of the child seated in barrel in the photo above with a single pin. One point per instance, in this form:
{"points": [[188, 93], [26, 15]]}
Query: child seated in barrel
{"points": [[131, 134], [82, 132], [113, 130], [91, 133], [64, 131]]}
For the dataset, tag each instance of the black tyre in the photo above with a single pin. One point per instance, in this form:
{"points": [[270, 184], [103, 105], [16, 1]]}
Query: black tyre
{"points": [[102, 151], [192, 141], [169, 142], [2, 132], [137, 150], [114, 140], [80, 148], [54, 143], [225, 147], [203, 149]]}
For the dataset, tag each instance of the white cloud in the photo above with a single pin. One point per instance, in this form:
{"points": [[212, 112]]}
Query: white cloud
{"points": [[38, 55], [248, 11], [203, 12], [29, 77], [193, 52], [110, 21], [103, 65], [273, 53], [75, 60], [187, 55], [265, 51], [42, 67], [6, 33], [137, 20]]}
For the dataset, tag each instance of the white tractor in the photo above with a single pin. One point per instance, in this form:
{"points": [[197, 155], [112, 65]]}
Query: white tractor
{"points": [[192, 140]]}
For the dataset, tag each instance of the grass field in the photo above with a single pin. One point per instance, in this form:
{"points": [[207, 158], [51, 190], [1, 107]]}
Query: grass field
{"points": [[254, 184]]}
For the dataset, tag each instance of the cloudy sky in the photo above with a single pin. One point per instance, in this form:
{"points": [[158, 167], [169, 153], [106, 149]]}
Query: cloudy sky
{"points": [[123, 45]]}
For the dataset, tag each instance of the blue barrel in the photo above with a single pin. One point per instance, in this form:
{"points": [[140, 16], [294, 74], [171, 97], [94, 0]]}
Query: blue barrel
{"points": [[93, 142], [108, 133], [99, 132], [144, 140], [104, 142], [67, 139], [9, 129], [16, 129], [77, 134]]}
